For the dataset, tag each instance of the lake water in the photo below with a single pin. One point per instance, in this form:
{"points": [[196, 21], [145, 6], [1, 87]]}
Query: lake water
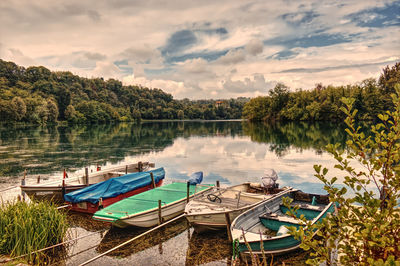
{"points": [[229, 151]]}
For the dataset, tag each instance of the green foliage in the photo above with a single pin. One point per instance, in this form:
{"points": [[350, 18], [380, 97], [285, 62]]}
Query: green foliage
{"points": [[366, 227], [323, 103], [27, 227], [82, 100]]}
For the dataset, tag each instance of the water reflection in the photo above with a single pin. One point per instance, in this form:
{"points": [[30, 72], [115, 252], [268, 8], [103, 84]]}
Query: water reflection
{"points": [[47, 149], [117, 236], [44, 150], [232, 152]]}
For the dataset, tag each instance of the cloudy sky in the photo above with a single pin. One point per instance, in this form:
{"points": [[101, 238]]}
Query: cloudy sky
{"points": [[206, 48]]}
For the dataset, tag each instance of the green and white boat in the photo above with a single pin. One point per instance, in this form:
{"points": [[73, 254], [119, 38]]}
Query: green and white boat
{"points": [[267, 222], [142, 210]]}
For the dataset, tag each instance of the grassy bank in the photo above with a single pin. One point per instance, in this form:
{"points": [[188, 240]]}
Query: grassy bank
{"points": [[27, 227]]}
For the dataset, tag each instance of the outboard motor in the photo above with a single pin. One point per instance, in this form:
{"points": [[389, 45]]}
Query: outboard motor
{"points": [[268, 180]]}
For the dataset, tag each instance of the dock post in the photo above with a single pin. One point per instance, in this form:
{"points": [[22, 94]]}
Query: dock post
{"points": [[159, 213], [100, 204], [23, 184], [86, 176], [63, 184], [140, 166], [188, 191], [228, 226], [217, 183], [126, 169], [38, 179], [152, 180]]}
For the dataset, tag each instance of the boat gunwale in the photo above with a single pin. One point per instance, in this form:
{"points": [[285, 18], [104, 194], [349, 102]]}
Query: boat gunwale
{"points": [[268, 238], [76, 177], [247, 207], [153, 209]]}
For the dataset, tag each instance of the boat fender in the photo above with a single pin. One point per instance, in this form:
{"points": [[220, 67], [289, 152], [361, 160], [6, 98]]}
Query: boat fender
{"points": [[282, 230], [314, 201]]}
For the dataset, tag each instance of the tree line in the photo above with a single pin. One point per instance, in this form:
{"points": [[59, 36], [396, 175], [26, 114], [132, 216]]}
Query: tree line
{"points": [[38, 95], [322, 103]]}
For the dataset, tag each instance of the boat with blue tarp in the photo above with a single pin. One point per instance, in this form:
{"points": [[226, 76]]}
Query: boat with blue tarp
{"points": [[92, 198]]}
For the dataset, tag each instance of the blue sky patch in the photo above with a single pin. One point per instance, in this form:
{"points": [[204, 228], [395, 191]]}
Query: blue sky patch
{"points": [[322, 69], [299, 18], [378, 17], [156, 72], [179, 41], [283, 55], [207, 55], [317, 40]]}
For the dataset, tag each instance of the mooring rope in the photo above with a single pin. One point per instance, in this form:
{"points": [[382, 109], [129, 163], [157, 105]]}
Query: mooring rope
{"points": [[59, 244], [131, 240], [9, 188]]}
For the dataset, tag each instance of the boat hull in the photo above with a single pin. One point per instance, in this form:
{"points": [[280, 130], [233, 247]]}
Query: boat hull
{"points": [[212, 221], [118, 215], [55, 191], [270, 215], [89, 207], [211, 215], [281, 244], [151, 219]]}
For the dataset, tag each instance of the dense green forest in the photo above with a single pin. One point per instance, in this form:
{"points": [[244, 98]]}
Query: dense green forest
{"points": [[38, 95], [372, 97]]}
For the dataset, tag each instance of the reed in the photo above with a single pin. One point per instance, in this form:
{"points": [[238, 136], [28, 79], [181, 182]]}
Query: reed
{"points": [[27, 227]]}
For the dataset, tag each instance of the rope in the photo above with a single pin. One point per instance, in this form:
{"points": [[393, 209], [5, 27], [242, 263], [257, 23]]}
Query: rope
{"points": [[235, 248], [9, 188], [132, 239], [56, 245]]}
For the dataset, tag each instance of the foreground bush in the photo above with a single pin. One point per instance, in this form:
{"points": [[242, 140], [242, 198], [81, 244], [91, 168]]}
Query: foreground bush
{"points": [[366, 228], [27, 227]]}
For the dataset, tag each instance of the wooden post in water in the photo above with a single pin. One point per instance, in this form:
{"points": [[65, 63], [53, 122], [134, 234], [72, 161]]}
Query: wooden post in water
{"points": [[23, 184], [188, 191], [159, 213], [63, 184], [38, 179], [228, 226], [217, 183], [86, 176], [126, 169], [152, 180], [140, 166]]}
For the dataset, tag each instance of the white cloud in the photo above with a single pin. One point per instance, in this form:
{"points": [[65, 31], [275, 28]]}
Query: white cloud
{"points": [[232, 57], [93, 38], [256, 84], [255, 47]]}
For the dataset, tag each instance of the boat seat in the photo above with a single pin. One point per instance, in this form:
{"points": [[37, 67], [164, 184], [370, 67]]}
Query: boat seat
{"points": [[308, 206], [117, 173], [227, 202], [281, 217]]}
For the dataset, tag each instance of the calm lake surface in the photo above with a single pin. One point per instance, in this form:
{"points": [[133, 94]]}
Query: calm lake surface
{"points": [[229, 151]]}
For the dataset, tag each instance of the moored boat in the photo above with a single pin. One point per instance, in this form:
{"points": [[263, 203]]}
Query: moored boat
{"points": [[207, 211], [267, 222], [92, 198], [56, 189], [142, 210]]}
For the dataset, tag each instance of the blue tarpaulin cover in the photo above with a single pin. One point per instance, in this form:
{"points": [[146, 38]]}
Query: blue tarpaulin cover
{"points": [[196, 178], [114, 186]]}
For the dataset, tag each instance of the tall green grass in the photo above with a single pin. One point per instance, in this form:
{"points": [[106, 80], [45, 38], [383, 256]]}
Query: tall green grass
{"points": [[27, 227]]}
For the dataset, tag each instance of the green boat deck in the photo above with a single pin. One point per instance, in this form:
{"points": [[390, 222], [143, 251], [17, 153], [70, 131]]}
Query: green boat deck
{"points": [[147, 200]]}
